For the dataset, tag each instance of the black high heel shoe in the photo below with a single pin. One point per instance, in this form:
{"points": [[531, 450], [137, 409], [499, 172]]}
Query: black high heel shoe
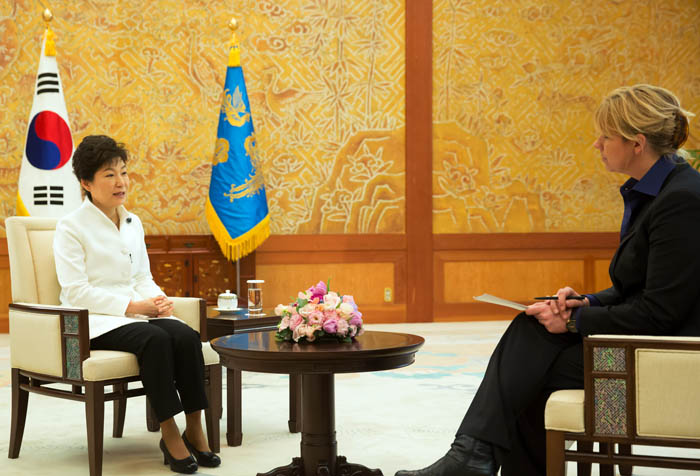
{"points": [[204, 458], [186, 465]]}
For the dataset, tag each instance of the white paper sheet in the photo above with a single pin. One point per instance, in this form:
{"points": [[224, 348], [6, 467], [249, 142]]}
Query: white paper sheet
{"points": [[500, 301]]}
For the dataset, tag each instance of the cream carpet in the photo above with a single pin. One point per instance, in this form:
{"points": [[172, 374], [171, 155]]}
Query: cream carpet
{"points": [[401, 419]]}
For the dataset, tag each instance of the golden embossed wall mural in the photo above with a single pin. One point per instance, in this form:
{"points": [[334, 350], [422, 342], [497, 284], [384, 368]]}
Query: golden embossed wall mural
{"points": [[325, 80], [515, 87]]}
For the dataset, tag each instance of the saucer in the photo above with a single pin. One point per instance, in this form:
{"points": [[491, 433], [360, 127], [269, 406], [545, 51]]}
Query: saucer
{"points": [[227, 311]]}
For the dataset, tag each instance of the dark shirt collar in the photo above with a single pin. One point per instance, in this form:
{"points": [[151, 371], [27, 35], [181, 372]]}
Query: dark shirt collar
{"points": [[655, 177]]}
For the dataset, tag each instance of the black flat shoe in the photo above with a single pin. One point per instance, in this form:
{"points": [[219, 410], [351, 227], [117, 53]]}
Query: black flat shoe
{"points": [[186, 465], [204, 458]]}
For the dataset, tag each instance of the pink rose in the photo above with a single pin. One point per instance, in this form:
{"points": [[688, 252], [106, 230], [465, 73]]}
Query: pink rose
{"points": [[352, 330], [330, 314], [311, 333], [315, 318], [294, 321], [299, 332], [356, 319], [284, 323], [342, 327], [318, 291], [330, 326]]}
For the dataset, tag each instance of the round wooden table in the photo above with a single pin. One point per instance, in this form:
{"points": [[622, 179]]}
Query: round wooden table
{"points": [[317, 363]]}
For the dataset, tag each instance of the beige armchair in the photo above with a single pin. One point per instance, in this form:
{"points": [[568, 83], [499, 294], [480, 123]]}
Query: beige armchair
{"points": [[639, 390], [38, 322]]}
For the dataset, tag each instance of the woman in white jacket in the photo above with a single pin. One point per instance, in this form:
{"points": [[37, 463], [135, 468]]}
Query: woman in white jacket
{"points": [[102, 265]]}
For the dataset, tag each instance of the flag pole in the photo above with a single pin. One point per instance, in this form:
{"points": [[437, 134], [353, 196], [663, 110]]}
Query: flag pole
{"points": [[234, 57]]}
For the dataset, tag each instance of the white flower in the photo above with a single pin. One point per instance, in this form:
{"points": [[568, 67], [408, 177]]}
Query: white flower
{"points": [[331, 300], [280, 308], [345, 310], [308, 309]]}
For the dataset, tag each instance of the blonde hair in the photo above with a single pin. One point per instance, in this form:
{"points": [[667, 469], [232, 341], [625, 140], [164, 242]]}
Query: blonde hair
{"points": [[644, 109]]}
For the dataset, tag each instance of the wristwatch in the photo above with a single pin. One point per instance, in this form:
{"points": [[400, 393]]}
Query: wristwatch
{"points": [[571, 325]]}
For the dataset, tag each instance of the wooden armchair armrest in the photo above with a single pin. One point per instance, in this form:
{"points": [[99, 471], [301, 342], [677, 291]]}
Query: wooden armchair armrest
{"points": [[49, 340], [610, 381]]}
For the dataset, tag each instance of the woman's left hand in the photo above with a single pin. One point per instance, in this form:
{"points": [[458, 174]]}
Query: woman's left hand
{"points": [[555, 323], [165, 306]]}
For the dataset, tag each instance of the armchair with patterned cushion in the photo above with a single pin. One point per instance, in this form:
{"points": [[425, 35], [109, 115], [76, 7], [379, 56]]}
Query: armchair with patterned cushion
{"points": [[38, 322], [639, 390]]}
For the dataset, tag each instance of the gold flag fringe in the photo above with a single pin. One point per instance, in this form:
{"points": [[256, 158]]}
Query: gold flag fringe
{"points": [[236, 248], [21, 209]]}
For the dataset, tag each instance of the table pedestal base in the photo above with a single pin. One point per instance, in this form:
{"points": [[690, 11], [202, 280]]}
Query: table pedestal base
{"points": [[319, 449], [343, 468]]}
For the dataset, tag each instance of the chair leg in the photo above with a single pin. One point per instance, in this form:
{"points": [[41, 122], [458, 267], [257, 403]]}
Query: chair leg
{"points": [[294, 403], [212, 414], [606, 469], [119, 409], [152, 422], [20, 400], [625, 470], [95, 416], [234, 434], [584, 469], [556, 465]]}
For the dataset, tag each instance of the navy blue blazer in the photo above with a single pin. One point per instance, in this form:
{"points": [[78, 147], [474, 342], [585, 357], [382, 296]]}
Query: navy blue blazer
{"points": [[656, 269]]}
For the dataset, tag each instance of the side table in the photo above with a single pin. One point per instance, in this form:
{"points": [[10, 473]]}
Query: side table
{"points": [[240, 322]]}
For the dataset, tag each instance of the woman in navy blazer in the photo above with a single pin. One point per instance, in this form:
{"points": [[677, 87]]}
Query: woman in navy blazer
{"points": [[655, 275]]}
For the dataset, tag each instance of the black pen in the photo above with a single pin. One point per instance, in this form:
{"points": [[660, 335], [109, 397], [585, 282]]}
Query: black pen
{"points": [[547, 298]]}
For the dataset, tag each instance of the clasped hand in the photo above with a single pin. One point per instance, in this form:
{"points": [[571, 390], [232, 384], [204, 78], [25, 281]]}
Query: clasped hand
{"points": [[159, 306], [553, 314]]}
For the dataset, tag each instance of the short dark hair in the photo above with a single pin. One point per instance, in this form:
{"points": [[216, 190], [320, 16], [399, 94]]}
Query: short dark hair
{"points": [[93, 153]]}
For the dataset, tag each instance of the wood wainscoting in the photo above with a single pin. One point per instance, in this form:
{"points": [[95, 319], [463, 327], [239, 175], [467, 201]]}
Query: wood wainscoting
{"points": [[515, 266], [376, 270]]}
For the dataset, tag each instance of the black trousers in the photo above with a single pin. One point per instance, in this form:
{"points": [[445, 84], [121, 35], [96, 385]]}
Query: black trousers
{"points": [[528, 365], [170, 359]]}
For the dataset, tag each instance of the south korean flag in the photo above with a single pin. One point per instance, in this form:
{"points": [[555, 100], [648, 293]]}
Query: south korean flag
{"points": [[47, 186]]}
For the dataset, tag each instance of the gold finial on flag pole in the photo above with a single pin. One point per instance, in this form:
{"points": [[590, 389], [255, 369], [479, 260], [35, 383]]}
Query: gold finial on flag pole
{"points": [[50, 49], [234, 53]]}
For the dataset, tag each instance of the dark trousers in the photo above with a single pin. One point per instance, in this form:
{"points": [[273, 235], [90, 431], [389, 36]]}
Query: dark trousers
{"points": [[528, 365], [170, 358]]}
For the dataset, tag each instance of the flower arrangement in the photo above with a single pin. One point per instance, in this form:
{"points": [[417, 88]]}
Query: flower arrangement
{"points": [[319, 313]]}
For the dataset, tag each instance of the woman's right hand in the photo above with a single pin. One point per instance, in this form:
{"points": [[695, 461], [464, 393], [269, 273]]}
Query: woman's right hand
{"points": [[563, 304]]}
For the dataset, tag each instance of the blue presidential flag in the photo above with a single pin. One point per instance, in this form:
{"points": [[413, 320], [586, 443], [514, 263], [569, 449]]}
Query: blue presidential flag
{"points": [[236, 207]]}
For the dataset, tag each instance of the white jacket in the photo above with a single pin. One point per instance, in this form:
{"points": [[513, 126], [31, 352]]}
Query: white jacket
{"points": [[102, 268]]}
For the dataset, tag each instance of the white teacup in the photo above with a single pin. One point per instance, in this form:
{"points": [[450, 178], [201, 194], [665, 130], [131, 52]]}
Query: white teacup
{"points": [[227, 301]]}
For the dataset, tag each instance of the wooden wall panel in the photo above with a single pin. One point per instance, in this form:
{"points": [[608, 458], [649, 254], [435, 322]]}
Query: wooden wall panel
{"points": [[365, 281], [359, 265], [516, 267], [514, 280], [602, 276]]}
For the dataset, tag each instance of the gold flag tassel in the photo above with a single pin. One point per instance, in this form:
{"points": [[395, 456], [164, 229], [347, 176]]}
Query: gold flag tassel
{"points": [[236, 248], [234, 53], [50, 49]]}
